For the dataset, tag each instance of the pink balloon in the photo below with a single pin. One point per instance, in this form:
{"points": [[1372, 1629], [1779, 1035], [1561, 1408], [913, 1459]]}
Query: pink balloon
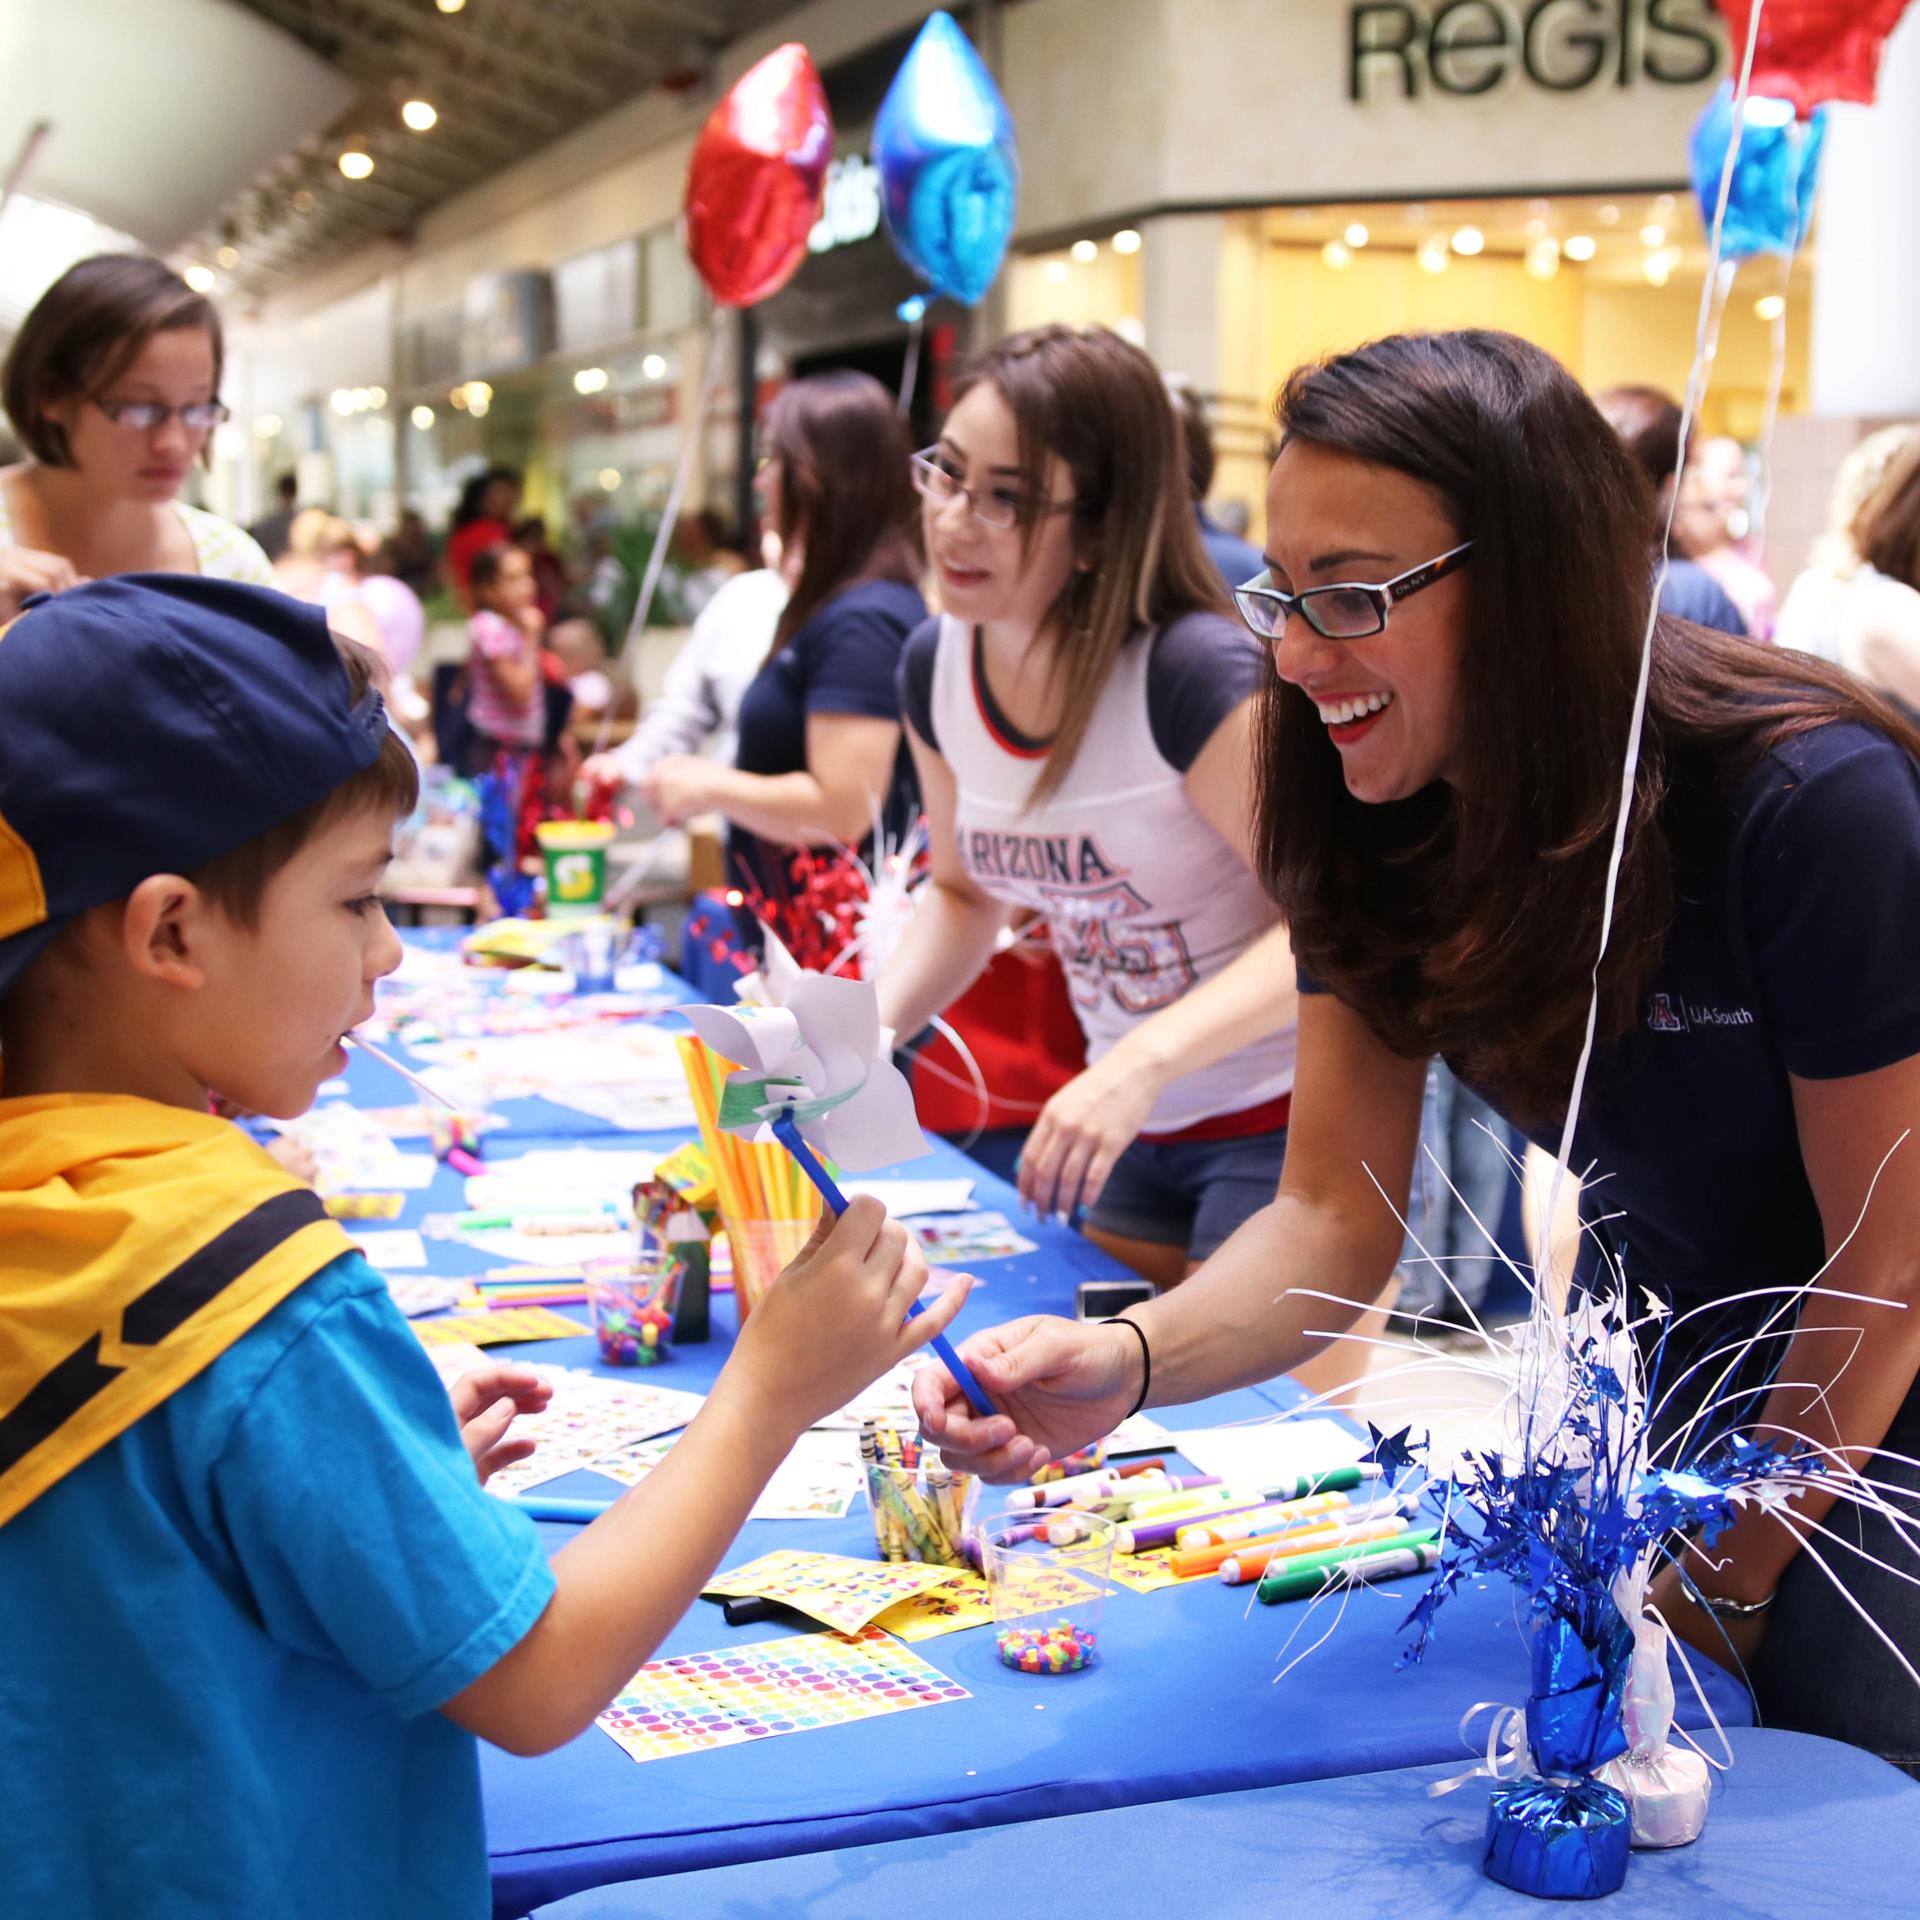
{"points": [[756, 176]]}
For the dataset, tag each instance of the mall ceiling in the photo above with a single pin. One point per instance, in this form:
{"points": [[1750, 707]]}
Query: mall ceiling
{"points": [[504, 79]]}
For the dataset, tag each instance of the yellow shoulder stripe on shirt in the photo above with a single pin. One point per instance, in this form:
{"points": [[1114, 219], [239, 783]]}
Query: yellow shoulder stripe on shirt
{"points": [[141, 1242]]}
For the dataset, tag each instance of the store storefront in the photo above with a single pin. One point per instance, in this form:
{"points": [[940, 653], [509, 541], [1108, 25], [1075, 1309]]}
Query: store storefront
{"points": [[1261, 187]]}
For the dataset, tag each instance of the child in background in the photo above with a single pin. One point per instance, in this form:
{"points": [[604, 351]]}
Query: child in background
{"points": [[257, 1602], [506, 701]]}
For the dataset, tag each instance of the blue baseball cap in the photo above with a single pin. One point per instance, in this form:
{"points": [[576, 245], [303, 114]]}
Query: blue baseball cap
{"points": [[150, 723]]}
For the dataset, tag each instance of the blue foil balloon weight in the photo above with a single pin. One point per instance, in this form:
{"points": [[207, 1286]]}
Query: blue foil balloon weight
{"points": [[949, 165], [1567, 1836], [1770, 197]]}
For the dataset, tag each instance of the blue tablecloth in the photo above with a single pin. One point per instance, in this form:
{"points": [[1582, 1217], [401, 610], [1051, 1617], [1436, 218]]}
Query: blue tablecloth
{"points": [[1188, 1699], [1801, 1829]]}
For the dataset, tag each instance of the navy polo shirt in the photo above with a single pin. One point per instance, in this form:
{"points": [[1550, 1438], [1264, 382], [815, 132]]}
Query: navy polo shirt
{"points": [[1793, 952], [843, 660]]}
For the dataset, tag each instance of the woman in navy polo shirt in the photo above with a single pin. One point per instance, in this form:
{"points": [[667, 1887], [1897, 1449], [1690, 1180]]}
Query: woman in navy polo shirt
{"points": [[1440, 768], [820, 752]]}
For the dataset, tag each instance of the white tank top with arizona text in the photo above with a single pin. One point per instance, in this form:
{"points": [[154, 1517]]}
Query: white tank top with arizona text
{"points": [[1143, 898]]}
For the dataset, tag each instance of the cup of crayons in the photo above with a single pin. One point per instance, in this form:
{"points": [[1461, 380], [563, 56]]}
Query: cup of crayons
{"points": [[1046, 1570], [1297, 1537], [767, 1205], [919, 1504], [632, 1300]]}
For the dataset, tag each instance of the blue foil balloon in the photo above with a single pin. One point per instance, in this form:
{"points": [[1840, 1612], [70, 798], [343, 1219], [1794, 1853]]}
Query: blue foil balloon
{"points": [[949, 166], [1770, 198]]}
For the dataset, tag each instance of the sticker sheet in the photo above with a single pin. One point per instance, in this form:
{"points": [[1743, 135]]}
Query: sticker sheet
{"points": [[957, 1240], [828, 1587], [961, 1603], [500, 1328], [696, 1701], [819, 1480], [590, 1419]]}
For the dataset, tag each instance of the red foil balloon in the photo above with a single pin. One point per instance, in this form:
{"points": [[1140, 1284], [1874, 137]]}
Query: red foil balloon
{"points": [[1814, 50], [756, 176]]}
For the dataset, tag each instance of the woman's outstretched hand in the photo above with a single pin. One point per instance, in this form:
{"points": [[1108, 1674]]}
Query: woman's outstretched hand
{"points": [[1058, 1384]]}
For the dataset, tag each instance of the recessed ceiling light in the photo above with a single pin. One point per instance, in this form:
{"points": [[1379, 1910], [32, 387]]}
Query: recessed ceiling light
{"points": [[654, 366], [200, 279], [1126, 241], [419, 115], [355, 164], [1579, 246], [1769, 306], [1357, 234], [422, 417], [1468, 240], [1085, 252]]}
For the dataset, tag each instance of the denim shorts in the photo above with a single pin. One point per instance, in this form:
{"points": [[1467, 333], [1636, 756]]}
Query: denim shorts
{"points": [[1189, 1193]]}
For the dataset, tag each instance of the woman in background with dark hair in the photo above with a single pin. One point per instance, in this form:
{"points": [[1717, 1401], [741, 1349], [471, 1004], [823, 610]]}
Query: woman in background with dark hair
{"points": [[820, 754], [1458, 558], [113, 385]]}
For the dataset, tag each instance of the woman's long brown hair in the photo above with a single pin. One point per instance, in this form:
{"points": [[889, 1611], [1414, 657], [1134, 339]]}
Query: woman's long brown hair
{"points": [[1099, 404], [1465, 920], [846, 490]]}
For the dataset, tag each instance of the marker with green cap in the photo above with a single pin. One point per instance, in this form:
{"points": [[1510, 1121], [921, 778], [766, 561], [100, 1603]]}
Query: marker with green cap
{"points": [[1307, 1574]]}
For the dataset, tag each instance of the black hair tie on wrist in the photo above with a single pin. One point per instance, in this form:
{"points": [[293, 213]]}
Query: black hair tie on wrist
{"points": [[1146, 1357]]}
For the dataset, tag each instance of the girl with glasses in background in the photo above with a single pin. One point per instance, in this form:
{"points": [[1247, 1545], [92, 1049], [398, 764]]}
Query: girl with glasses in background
{"points": [[112, 386], [1082, 720], [1440, 772]]}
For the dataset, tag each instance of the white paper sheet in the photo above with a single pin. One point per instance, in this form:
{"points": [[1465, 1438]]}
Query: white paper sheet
{"points": [[906, 1198], [1270, 1451], [396, 1250]]}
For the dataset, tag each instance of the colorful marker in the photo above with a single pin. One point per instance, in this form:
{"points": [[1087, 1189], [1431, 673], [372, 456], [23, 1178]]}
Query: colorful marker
{"points": [[1218, 1531], [1292, 1545], [1340, 1566]]}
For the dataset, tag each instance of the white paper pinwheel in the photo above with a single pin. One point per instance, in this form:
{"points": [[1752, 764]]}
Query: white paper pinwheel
{"points": [[821, 1055]]}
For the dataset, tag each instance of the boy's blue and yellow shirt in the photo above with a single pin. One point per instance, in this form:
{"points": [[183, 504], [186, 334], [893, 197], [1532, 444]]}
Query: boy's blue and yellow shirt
{"points": [[138, 1242]]}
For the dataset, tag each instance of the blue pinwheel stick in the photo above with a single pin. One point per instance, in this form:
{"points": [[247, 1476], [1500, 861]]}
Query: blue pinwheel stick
{"points": [[788, 1135]]}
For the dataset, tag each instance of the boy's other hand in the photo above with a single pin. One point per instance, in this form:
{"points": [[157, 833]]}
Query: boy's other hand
{"points": [[836, 1319], [485, 1401]]}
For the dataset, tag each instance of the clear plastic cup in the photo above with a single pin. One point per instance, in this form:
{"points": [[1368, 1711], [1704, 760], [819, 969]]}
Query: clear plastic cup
{"points": [[1047, 1583], [920, 1512], [632, 1299], [762, 1250]]}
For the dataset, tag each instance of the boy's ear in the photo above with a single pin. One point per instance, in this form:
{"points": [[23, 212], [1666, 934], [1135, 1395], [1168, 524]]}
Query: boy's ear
{"points": [[165, 923]]}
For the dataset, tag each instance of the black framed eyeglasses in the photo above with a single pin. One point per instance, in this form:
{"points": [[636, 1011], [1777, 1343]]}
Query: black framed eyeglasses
{"points": [[1346, 610], [149, 416], [1001, 507]]}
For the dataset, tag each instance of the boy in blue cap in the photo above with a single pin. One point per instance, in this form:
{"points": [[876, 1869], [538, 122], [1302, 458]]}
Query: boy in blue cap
{"points": [[256, 1602]]}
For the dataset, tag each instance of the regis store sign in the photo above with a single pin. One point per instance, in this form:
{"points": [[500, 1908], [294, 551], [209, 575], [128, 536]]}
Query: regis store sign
{"points": [[1401, 48]]}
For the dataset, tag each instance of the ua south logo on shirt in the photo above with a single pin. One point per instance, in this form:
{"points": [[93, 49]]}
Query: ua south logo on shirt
{"points": [[1669, 1013]]}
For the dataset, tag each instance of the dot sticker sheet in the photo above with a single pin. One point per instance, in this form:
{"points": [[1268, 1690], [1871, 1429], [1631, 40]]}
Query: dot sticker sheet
{"points": [[696, 1701]]}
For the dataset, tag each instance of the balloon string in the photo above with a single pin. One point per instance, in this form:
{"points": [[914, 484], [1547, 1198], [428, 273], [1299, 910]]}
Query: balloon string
{"points": [[670, 513], [910, 372], [1706, 329], [1776, 378]]}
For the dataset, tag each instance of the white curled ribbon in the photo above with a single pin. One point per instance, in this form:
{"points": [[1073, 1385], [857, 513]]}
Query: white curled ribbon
{"points": [[1507, 1757], [1679, 1649]]}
